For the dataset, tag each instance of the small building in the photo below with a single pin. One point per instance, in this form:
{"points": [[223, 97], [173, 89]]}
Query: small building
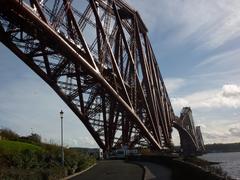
{"points": [[123, 153]]}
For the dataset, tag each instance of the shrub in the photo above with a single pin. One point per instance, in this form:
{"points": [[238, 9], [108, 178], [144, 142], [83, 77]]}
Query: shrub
{"points": [[34, 174], [35, 160], [33, 139], [8, 134], [76, 161]]}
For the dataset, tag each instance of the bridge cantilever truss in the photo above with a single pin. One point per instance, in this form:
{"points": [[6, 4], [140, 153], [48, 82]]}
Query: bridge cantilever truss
{"points": [[97, 57]]}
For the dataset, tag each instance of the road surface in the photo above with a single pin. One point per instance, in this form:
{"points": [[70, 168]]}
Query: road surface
{"points": [[112, 170], [156, 172]]}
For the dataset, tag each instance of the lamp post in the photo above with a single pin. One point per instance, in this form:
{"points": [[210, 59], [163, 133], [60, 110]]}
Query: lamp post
{"points": [[61, 116]]}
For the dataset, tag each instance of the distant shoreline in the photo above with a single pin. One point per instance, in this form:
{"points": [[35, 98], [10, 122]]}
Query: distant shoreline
{"points": [[222, 148], [221, 151]]}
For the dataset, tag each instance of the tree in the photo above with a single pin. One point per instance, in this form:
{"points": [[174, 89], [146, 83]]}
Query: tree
{"points": [[34, 137], [8, 134]]}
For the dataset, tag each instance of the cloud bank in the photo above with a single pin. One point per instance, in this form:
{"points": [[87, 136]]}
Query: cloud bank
{"points": [[228, 96]]}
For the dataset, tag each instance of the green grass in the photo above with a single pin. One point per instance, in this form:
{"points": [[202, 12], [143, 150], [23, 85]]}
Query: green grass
{"points": [[21, 160], [15, 146]]}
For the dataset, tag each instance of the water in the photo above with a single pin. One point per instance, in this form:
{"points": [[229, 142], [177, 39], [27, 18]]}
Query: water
{"points": [[230, 162]]}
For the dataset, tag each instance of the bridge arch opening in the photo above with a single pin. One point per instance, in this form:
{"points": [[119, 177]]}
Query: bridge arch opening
{"points": [[188, 145], [175, 137]]}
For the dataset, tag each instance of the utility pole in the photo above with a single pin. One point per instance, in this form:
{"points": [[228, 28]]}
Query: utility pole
{"points": [[61, 116]]}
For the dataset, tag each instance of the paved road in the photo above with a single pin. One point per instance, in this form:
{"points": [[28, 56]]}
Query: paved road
{"points": [[156, 172], [112, 170]]}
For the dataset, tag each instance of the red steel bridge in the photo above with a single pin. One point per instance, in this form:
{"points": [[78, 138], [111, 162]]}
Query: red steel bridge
{"points": [[96, 55]]}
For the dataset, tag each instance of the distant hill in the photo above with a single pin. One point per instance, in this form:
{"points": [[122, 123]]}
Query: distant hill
{"points": [[231, 147]]}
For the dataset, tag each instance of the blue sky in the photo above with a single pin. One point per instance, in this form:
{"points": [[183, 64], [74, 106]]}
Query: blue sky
{"points": [[197, 44]]}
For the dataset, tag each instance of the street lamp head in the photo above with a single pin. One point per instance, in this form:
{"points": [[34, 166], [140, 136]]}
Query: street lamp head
{"points": [[61, 114]]}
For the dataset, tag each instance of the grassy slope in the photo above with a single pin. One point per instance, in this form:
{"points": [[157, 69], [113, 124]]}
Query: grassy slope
{"points": [[15, 146], [38, 162]]}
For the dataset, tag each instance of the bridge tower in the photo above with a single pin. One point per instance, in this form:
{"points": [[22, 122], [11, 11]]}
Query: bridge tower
{"points": [[187, 122], [96, 55], [200, 140], [190, 136]]}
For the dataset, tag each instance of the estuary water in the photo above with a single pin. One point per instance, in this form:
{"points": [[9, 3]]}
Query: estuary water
{"points": [[230, 162]]}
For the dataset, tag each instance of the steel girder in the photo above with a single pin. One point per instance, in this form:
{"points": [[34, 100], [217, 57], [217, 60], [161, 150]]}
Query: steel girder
{"points": [[97, 57]]}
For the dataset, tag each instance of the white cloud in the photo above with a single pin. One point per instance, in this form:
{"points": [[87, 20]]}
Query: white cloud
{"points": [[231, 91], [228, 96], [173, 84], [235, 131], [210, 23], [86, 141], [215, 136], [225, 58], [217, 132], [179, 103]]}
